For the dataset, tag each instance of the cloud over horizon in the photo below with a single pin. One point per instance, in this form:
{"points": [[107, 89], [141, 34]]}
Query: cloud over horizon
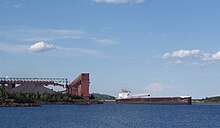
{"points": [[118, 1], [181, 54], [41, 47], [193, 57], [216, 56]]}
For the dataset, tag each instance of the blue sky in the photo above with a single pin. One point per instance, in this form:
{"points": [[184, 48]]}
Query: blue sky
{"points": [[167, 48]]}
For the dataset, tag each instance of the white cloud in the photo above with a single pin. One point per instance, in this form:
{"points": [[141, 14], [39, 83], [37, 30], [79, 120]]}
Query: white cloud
{"points": [[118, 1], [41, 47], [196, 53], [181, 54], [205, 56], [216, 56], [194, 57], [166, 55], [106, 41]]}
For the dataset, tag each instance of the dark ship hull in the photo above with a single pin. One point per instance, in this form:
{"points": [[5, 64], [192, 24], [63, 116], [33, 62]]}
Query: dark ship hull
{"points": [[156, 100]]}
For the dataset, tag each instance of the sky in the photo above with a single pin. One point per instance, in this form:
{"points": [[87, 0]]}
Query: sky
{"points": [[160, 47]]}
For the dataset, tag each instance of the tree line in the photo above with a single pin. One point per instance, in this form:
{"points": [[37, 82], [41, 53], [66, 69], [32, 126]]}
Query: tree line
{"points": [[36, 97]]}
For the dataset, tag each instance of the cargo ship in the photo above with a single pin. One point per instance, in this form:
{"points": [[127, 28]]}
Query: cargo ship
{"points": [[125, 97]]}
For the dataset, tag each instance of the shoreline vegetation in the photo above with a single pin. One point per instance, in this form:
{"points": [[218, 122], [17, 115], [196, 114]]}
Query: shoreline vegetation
{"points": [[207, 100], [18, 99], [102, 97]]}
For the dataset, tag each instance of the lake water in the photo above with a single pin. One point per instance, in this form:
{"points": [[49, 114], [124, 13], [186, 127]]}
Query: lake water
{"points": [[111, 115]]}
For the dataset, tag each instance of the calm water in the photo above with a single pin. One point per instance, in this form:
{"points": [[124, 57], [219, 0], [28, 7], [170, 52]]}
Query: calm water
{"points": [[111, 115]]}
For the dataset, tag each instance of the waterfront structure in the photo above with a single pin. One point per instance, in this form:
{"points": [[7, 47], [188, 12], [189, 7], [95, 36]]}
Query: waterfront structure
{"points": [[79, 86]]}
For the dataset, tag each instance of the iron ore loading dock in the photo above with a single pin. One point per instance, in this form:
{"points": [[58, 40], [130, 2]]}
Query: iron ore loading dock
{"points": [[79, 86]]}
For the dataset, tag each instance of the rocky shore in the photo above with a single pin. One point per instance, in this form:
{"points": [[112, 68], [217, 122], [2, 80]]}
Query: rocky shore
{"points": [[77, 102], [15, 104], [37, 104]]}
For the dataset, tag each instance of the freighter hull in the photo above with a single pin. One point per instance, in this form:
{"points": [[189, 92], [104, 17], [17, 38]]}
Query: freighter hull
{"points": [[156, 100]]}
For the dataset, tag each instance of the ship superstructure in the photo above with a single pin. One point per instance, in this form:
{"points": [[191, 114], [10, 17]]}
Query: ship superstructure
{"points": [[127, 94]]}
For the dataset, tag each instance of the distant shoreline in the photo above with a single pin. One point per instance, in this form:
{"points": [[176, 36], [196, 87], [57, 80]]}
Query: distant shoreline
{"points": [[205, 102]]}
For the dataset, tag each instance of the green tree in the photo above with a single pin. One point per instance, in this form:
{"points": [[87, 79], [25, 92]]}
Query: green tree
{"points": [[2, 98]]}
